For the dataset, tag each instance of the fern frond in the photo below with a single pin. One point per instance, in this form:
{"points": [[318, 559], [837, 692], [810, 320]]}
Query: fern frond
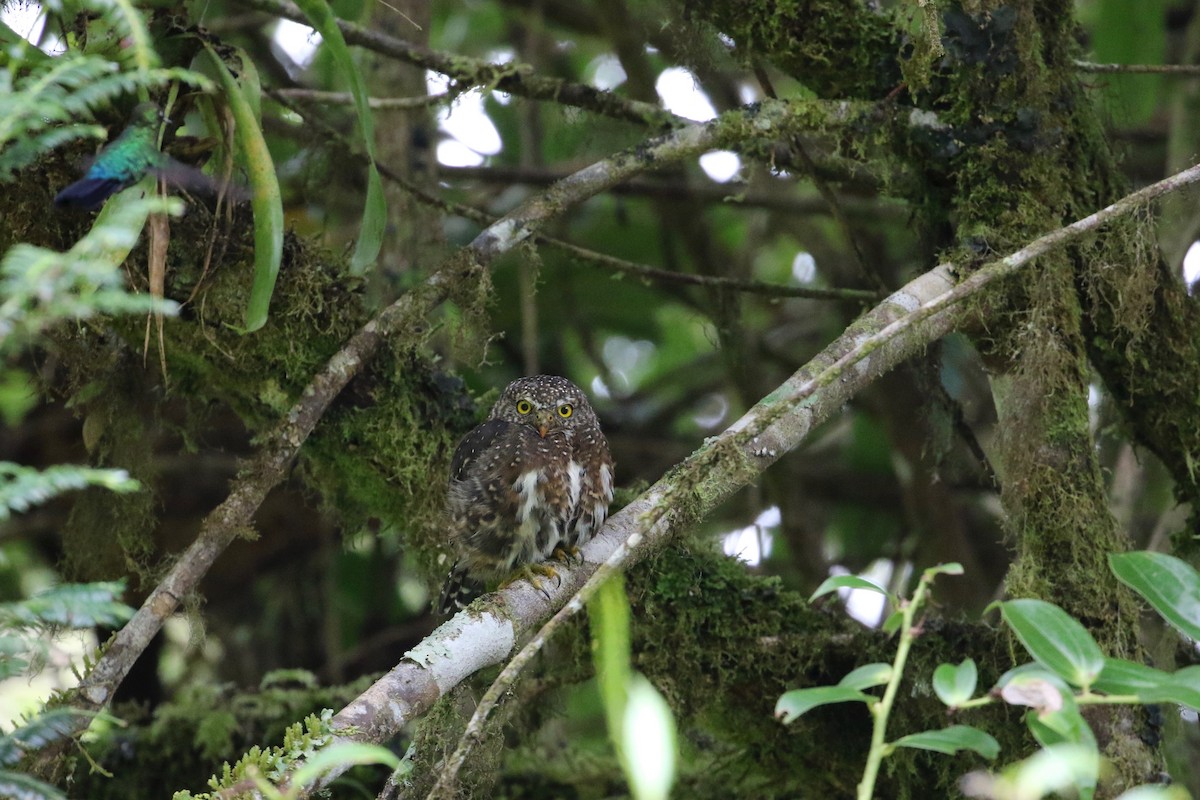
{"points": [[15, 784], [72, 605], [129, 19], [24, 487], [44, 109], [41, 730], [39, 286], [25, 151], [37, 100]]}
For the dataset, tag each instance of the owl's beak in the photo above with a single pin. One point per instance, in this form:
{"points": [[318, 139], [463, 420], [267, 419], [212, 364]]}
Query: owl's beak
{"points": [[543, 422]]}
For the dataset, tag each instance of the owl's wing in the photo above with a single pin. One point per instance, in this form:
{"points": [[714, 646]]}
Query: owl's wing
{"points": [[474, 443]]}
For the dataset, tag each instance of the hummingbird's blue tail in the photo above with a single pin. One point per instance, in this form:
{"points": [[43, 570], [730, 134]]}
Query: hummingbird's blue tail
{"points": [[88, 194]]}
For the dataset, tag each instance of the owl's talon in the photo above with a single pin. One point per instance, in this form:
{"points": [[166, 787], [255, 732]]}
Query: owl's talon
{"points": [[534, 574], [567, 555]]}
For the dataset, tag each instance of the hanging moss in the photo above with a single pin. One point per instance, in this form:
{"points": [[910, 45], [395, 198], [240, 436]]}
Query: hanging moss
{"points": [[111, 392], [372, 453], [837, 48]]}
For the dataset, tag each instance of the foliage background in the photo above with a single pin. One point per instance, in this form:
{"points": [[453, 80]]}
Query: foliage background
{"points": [[1056, 427]]}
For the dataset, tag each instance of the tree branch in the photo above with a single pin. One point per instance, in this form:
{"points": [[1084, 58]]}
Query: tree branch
{"points": [[1181, 70], [734, 194], [376, 103]]}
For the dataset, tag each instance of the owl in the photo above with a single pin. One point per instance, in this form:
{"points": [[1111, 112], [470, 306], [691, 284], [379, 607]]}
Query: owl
{"points": [[533, 481]]}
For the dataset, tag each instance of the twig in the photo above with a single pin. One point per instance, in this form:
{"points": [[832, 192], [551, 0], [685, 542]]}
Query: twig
{"points": [[592, 258], [867, 271], [376, 103], [1182, 70], [881, 710], [735, 195]]}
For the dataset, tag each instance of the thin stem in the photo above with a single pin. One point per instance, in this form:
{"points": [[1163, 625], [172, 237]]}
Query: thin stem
{"points": [[1184, 70], [883, 709], [376, 103], [978, 702], [1089, 699]]}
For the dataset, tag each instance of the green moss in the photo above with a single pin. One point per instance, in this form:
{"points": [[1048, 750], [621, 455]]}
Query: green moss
{"points": [[374, 452], [111, 393], [394, 425], [838, 48], [175, 747], [438, 736], [722, 645], [316, 307]]}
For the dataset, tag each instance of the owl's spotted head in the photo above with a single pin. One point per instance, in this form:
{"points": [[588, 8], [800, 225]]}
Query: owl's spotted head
{"points": [[546, 403]]}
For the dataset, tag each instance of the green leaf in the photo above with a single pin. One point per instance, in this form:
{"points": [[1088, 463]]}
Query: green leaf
{"points": [[1170, 585], [44, 729], [893, 622], [1128, 677], [867, 676], [1064, 726], [1049, 770], [23, 487], [1055, 640], [266, 201], [370, 237], [836, 582], [1121, 677], [138, 35], [1067, 729], [1031, 670], [1184, 689], [953, 568], [343, 754], [951, 740], [649, 736], [608, 618], [955, 685], [800, 701]]}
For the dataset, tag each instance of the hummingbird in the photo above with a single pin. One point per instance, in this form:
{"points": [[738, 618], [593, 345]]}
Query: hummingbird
{"points": [[128, 158], [122, 163]]}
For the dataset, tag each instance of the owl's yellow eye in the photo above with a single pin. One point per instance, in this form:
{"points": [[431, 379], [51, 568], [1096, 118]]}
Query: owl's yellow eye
{"points": [[524, 407], [565, 410]]}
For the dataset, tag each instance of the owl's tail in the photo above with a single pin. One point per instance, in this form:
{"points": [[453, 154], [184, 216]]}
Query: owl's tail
{"points": [[458, 590]]}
